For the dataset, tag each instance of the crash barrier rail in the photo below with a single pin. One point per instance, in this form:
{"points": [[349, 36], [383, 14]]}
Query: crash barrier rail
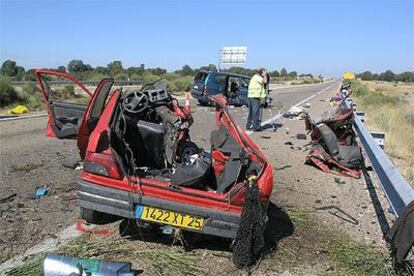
{"points": [[397, 189], [92, 83]]}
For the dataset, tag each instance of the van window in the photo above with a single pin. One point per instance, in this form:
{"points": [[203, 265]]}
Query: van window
{"points": [[245, 82], [220, 79], [200, 77]]}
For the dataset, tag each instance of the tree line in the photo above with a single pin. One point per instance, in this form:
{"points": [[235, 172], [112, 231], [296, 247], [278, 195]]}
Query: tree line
{"points": [[388, 75], [116, 70]]}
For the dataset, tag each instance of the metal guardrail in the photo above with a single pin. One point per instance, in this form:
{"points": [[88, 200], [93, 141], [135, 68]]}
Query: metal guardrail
{"points": [[397, 189], [93, 83]]}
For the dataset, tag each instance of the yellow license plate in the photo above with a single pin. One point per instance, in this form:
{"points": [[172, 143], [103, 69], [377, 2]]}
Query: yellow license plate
{"points": [[169, 217]]}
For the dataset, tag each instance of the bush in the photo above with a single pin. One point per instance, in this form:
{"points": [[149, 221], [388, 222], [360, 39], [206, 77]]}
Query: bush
{"points": [[8, 94], [96, 76], [184, 84], [32, 96], [121, 76], [136, 77], [171, 87], [171, 76], [368, 97], [148, 78]]}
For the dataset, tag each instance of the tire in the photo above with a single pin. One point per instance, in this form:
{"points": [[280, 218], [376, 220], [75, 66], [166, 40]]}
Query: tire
{"points": [[95, 217]]}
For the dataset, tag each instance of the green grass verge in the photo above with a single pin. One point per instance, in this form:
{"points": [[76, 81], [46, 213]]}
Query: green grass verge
{"points": [[354, 258], [31, 267], [301, 217]]}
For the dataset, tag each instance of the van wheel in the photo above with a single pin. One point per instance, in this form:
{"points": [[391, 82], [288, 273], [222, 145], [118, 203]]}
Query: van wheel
{"points": [[203, 103], [95, 217]]}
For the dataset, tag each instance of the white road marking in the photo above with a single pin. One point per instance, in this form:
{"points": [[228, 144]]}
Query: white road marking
{"points": [[23, 117]]}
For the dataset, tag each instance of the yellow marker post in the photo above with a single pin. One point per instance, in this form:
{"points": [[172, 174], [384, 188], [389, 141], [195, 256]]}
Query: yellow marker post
{"points": [[348, 76]]}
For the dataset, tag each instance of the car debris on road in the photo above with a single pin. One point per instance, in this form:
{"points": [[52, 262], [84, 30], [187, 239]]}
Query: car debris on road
{"points": [[295, 113], [19, 109], [41, 192], [334, 148]]}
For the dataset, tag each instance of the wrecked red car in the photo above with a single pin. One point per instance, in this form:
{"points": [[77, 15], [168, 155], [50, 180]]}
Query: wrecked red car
{"points": [[140, 163]]}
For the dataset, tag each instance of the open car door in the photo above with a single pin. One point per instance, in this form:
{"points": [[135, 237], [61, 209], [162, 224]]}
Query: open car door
{"points": [[72, 108]]}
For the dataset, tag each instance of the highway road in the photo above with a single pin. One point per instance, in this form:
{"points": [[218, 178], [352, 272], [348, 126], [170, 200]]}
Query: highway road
{"points": [[30, 160]]}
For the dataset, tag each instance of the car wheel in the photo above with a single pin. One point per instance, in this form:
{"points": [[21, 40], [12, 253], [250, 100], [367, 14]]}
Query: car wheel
{"points": [[95, 217]]}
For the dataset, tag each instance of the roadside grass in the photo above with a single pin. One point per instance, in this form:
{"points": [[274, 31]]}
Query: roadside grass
{"points": [[312, 245], [394, 115], [31, 267], [153, 259], [331, 249], [301, 217], [351, 257]]}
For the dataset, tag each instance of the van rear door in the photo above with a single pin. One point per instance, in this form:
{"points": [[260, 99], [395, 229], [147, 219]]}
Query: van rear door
{"points": [[199, 82]]}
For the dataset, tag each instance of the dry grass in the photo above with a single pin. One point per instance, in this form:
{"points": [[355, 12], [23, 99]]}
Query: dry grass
{"points": [[152, 259], [389, 107], [403, 90]]}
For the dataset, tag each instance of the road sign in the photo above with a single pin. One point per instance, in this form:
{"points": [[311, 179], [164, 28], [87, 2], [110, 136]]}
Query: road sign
{"points": [[233, 55]]}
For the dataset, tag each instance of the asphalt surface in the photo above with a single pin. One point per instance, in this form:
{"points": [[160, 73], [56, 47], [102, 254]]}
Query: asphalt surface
{"points": [[30, 160]]}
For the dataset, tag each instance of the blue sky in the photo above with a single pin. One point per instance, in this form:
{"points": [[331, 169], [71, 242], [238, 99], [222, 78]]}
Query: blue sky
{"points": [[327, 37]]}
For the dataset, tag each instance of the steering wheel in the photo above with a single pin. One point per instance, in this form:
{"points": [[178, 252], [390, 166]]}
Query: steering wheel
{"points": [[136, 102]]}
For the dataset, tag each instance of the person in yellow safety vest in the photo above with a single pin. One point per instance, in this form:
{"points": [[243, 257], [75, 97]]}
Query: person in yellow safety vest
{"points": [[256, 95]]}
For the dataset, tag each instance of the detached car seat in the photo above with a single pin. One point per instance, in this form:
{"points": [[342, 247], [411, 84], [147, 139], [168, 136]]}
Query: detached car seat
{"points": [[226, 156], [328, 154]]}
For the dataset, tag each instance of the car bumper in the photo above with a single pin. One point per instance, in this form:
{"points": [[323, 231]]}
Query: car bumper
{"points": [[122, 203], [200, 96]]}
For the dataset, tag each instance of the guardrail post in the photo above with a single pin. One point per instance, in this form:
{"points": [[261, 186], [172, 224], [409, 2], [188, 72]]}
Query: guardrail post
{"points": [[379, 137], [361, 115]]}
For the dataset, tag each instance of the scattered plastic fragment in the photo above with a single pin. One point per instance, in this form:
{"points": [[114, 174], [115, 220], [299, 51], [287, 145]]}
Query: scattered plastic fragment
{"points": [[66, 265], [40, 192], [338, 181], [87, 228], [339, 213], [20, 109], [301, 136], [294, 112]]}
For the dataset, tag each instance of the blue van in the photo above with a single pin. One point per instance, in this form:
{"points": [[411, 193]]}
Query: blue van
{"points": [[233, 86]]}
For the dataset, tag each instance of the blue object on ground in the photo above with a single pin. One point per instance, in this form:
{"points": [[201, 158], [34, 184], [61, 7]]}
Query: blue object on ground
{"points": [[41, 192]]}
